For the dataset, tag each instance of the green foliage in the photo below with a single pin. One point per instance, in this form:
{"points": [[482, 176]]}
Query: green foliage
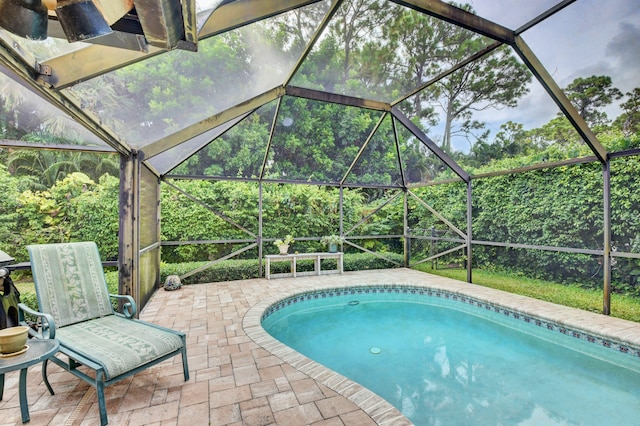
{"points": [[629, 121], [331, 239], [286, 241], [300, 210], [10, 238], [97, 216], [111, 277], [557, 207], [45, 168], [186, 220], [237, 153], [365, 261], [29, 298], [49, 216], [228, 270], [74, 209], [448, 199], [591, 94]]}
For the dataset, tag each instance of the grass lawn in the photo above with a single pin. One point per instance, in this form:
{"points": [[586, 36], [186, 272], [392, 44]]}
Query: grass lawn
{"points": [[622, 306]]}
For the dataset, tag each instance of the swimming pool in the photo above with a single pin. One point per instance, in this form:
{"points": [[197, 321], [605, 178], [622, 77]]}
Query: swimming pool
{"points": [[490, 373]]}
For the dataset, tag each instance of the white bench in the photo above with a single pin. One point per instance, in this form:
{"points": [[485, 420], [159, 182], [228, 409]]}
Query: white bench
{"points": [[293, 257]]}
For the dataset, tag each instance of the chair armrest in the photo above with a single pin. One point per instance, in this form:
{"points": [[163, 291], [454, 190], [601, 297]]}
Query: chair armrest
{"points": [[47, 324], [129, 308]]}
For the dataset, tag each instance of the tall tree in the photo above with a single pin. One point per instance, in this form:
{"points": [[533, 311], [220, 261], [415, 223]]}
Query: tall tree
{"points": [[356, 30], [497, 80], [108, 98], [321, 142], [557, 131], [414, 42], [589, 95], [354, 22], [631, 116], [293, 30], [427, 46]]}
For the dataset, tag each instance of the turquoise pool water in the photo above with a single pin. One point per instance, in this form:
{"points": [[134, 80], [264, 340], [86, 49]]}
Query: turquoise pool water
{"points": [[443, 361]]}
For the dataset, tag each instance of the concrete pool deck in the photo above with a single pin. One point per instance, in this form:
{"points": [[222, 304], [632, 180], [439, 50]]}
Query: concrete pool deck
{"points": [[242, 376]]}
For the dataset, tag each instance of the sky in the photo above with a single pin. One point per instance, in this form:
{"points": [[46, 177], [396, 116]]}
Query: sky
{"points": [[589, 37]]}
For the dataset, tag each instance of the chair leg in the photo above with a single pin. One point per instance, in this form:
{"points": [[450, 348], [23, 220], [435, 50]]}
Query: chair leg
{"points": [[45, 379], [102, 405], [185, 365]]}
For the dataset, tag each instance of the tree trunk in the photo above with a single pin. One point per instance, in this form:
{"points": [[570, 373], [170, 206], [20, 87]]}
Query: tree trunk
{"points": [[446, 140]]}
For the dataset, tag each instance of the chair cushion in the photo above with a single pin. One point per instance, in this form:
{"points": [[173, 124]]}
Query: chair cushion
{"points": [[117, 343], [70, 282]]}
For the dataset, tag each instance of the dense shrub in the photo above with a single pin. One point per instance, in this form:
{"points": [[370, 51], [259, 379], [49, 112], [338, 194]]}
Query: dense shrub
{"points": [[97, 216], [74, 209], [9, 215], [299, 210], [557, 207]]}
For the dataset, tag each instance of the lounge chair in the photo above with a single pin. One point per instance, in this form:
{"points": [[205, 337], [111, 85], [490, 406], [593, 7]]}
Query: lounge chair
{"points": [[75, 308]]}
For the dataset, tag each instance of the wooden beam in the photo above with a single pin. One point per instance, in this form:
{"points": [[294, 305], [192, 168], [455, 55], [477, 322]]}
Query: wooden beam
{"points": [[462, 18], [336, 98]]}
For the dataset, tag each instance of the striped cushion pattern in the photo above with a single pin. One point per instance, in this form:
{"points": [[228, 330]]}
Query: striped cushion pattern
{"points": [[70, 282], [118, 344]]}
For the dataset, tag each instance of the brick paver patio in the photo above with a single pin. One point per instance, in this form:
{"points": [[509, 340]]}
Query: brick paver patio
{"points": [[242, 376]]}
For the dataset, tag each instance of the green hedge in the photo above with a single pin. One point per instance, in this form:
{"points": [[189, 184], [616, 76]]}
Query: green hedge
{"points": [[231, 270]]}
